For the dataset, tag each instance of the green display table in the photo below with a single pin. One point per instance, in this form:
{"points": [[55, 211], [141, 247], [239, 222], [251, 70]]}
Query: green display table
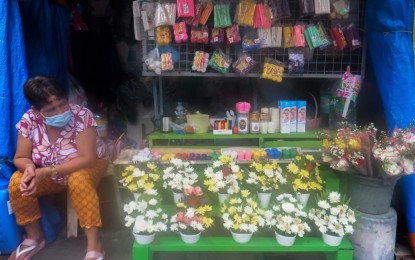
{"points": [[257, 244], [306, 140]]}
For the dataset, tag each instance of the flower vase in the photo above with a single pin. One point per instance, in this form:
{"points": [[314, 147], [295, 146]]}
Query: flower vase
{"points": [[302, 198], [190, 239], [144, 239], [284, 240], [332, 240], [222, 197], [136, 195], [264, 199], [241, 238], [177, 196]]}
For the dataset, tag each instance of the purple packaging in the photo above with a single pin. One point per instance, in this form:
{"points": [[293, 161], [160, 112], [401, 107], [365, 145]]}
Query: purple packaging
{"points": [[301, 115], [293, 116]]}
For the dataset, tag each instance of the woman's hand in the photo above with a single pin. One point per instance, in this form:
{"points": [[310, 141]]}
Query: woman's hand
{"points": [[31, 178]]}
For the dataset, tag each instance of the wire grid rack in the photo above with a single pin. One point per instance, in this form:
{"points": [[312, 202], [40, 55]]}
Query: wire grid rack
{"points": [[326, 63]]}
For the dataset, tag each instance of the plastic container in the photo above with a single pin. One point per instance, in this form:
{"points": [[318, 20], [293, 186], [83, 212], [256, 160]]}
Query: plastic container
{"points": [[200, 123]]}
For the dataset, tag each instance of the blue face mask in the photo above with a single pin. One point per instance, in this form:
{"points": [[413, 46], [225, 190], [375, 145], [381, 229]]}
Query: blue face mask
{"points": [[59, 120]]}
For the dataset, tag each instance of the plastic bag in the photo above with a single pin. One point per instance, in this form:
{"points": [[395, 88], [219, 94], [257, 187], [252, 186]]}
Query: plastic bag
{"points": [[262, 17], [217, 36], [220, 62], [272, 70], [299, 39], [163, 35], [167, 63], [276, 36], [245, 12], [312, 36], [199, 35], [194, 21], [306, 7], [265, 36], [200, 61], [338, 37], [244, 64], [352, 37], [296, 60], [222, 17], [288, 32], [341, 7], [251, 41], [322, 7], [232, 34], [325, 39], [180, 33], [207, 10], [153, 62], [185, 8], [165, 14], [283, 9]]}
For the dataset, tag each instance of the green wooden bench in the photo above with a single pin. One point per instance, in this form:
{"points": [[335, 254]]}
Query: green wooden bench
{"points": [[257, 244]]}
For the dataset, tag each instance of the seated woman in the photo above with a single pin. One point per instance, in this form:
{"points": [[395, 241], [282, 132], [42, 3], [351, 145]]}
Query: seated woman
{"points": [[57, 149]]}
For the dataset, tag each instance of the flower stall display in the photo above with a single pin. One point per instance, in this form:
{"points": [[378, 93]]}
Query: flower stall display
{"points": [[193, 215], [223, 176], [266, 176], [304, 174], [146, 217], [242, 215], [179, 175], [333, 217], [287, 218], [140, 178]]}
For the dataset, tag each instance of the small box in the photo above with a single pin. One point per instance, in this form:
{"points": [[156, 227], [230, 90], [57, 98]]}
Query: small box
{"points": [[222, 132], [293, 118], [301, 115], [285, 116]]}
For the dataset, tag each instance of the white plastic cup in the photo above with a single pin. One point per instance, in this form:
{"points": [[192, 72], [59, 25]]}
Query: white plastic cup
{"points": [[272, 127], [263, 126]]}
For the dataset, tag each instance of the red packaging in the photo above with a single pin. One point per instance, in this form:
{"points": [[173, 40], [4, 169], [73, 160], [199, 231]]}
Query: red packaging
{"points": [[199, 35], [232, 34], [194, 21], [338, 36]]}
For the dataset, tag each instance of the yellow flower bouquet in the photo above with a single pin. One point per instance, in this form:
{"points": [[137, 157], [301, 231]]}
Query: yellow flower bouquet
{"points": [[140, 178], [266, 175], [304, 174]]}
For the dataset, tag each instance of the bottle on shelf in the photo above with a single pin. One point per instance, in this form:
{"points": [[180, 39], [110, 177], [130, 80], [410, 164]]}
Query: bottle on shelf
{"points": [[180, 114]]}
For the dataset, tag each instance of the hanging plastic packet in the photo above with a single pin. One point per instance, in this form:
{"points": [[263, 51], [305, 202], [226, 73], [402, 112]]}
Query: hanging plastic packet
{"points": [[288, 33], [163, 35], [167, 63], [185, 8], [194, 21], [180, 33], [232, 34], [312, 36], [341, 7], [200, 61], [283, 10], [220, 62], [222, 17], [167, 48], [217, 35], [243, 65], [207, 10], [306, 7], [338, 36], [352, 37], [165, 14], [261, 18], [199, 35], [251, 41], [272, 9], [265, 36], [153, 62], [299, 39], [148, 11], [276, 36], [325, 39], [272, 70], [321, 7], [244, 13], [296, 60]]}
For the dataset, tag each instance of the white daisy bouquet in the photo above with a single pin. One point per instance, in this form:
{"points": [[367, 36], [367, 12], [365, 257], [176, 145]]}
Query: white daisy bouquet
{"points": [[145, 215], [223, 175], [287, 216], [140, 177], [266, 175], [178, 175], [241, 213], [332, 214]]}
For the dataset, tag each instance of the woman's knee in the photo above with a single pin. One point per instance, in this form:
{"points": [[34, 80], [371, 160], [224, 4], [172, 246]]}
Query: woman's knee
{"points": [[14, 184]]}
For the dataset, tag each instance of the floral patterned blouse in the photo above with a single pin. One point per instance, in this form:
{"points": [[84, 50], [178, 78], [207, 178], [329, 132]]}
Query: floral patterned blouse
{"points": [[44, 153]]}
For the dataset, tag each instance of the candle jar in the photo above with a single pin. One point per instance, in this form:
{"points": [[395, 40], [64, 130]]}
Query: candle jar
{"points": [[243, 122], [254, 123]]}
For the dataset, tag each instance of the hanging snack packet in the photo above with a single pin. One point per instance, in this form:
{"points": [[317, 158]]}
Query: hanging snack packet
{"points": [[265, 36], [296, 61], [325, 39], [180, 33], [222, 17], [194, 21], [338, 36], [312, 36], [276, 36], [352, 37], [163, 35], [272, 70], [207, 10], [185, 8], [243, 65], [153, 62], [200, 61], [272, 8], [220, 62], [306, 7], [341, 8], [261, 18], [251, 41], [244, 14], [322, 7], [288, 32], [232, 34], [217, 35], [165, 14], [283, 11], [166, 61], [199, 35], [299, 40]]}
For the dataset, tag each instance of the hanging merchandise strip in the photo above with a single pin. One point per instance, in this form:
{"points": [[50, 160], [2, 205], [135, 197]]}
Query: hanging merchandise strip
{"points": [[284, 27]]}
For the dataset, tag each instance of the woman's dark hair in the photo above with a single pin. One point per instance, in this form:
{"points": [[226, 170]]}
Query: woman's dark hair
{"points": [[38, 90]]}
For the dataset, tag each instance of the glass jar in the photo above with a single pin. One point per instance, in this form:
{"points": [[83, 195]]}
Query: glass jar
{"points": [[243, 123], [254, 123]]}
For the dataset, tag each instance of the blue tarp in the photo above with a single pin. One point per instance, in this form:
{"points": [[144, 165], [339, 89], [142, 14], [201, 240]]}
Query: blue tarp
{"points": [[13, 73]]}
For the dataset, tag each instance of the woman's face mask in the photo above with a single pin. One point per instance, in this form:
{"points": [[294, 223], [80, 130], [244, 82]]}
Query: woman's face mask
{"points": [[59, 120]]}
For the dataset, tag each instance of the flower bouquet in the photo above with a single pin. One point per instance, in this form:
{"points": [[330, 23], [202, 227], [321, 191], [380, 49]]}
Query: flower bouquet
{"points": [[146, 217], [304, 174], [140, 178], [287, 218], [267, 176], [242, 215], [223, 176], [193, 215], [333, 217], [178, 176]]}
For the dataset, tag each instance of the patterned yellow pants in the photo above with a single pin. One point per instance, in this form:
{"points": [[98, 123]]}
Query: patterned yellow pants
{"points": [[82, 186]]}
